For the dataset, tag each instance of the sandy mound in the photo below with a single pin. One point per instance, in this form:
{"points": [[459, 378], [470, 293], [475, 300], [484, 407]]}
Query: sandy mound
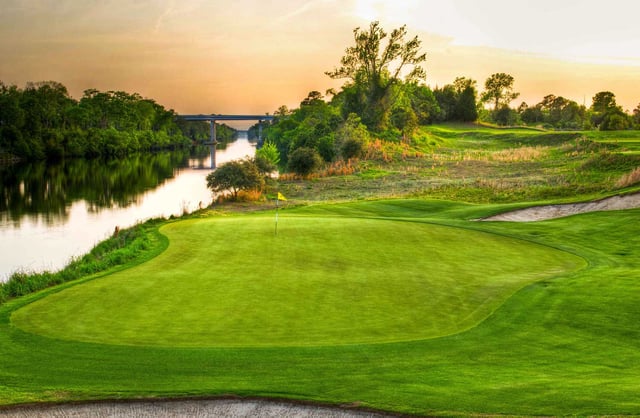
{"points": [[228, 408], [540, 213]]}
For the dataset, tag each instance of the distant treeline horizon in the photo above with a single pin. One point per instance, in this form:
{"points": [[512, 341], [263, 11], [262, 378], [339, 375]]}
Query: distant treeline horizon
{"points": [[384, 96], [42, 121]]}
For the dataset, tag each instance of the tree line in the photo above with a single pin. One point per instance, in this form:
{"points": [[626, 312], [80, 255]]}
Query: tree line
{"points": [[385, 95], [44, 121]]}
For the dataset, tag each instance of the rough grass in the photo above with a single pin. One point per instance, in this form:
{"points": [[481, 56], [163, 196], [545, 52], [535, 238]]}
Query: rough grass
{"points": [[127, 246], [480, 164]]}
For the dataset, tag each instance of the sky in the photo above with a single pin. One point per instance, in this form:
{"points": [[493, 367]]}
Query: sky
{"points": [[252, 56]]}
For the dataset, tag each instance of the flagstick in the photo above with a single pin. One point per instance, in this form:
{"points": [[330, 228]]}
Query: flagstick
{"points": [[276, 232]]}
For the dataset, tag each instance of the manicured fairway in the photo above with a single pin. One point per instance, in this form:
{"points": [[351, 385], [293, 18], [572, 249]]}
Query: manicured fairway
{"points": [[319, 281], [565, 344]]}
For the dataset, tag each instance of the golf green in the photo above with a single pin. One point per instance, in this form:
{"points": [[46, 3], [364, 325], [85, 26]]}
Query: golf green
{"points": [[233, 282]]}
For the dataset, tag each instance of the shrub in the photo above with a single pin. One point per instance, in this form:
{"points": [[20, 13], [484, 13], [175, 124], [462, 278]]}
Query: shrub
{"points": [[351, 138], [304, 161], [615, 122], [265, 166], [351, 148], [269, 153], [235, 176]]}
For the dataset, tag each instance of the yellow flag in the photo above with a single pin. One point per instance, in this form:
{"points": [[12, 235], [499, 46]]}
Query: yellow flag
{"points": [[281, 197]]}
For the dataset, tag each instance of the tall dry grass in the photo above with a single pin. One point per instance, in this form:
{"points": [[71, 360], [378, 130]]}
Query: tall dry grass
{"points": [[629, 179], [336, 168], [388, 151], [252, 195], [520, 154]]}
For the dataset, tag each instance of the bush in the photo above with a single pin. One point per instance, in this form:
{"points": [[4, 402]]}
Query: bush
{"points": [[351, 138], [615, 122], [505, 116], [235, 176], [351, 148], [304, 161], [267, 157], [265, 167], [326, 148]]}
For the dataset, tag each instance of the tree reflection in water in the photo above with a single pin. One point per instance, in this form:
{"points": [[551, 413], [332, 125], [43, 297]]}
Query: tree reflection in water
{"points": [[47, 190]]}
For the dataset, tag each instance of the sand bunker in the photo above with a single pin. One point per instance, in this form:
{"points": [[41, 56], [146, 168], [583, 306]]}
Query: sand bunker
{"points": [[540, 213], [228, 408]]}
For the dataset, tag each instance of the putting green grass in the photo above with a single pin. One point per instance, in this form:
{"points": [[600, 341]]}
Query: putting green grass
{"points": [[232, 282]]}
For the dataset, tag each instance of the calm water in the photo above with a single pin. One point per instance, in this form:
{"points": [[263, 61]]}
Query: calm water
{"points": [[51, 213]]}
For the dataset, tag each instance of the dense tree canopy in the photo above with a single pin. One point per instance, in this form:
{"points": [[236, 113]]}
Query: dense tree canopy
{"points": [[457, 101], [43, 121], [555, 111]]}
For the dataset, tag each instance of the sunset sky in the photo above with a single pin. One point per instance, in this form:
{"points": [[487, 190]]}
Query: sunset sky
{"points": [[251, 56]]}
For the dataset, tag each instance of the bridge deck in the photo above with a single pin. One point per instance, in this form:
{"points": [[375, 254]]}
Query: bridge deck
{"points": [[225, 117]]}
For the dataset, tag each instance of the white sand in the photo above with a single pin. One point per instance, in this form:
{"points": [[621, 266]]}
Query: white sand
{"points": [[540, 213], [218, 408]]}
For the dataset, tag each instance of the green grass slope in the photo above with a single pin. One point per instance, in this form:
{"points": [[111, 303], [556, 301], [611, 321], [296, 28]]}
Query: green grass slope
{"points": [[563, 345], [319, 281]]}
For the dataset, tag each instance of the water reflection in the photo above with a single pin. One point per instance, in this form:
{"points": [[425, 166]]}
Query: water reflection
{"points": [[47, 191], [50, 213]]}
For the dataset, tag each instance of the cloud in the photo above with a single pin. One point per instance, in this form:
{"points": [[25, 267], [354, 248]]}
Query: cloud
{"points": [[307, 6], [168, 10]]}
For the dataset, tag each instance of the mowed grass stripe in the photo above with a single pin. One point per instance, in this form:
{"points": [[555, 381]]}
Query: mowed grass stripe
{"points": [[231, 282]]}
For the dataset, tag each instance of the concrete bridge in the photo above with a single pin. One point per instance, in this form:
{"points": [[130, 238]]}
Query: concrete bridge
{"points": [[212, 119]]}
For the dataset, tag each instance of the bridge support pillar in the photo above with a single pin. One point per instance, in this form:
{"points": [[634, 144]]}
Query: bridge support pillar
{"points": [[212, 149], [260, 132]]}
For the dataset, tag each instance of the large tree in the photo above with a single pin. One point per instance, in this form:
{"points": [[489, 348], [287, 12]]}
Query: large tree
{"points": [[373, 65], [465, 109], [457, 101], [603, 102], [606, 114], [498, 89]]}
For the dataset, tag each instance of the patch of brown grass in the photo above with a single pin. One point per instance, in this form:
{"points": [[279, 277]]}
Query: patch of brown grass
{"points": [[389, 151], [629, 179], [519, 154], [336, 168], [339, 168], [243, 196]]}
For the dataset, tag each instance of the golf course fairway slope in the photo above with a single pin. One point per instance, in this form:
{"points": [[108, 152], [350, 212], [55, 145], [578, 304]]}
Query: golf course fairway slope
{"points": [[318, 281], [396, 305]]}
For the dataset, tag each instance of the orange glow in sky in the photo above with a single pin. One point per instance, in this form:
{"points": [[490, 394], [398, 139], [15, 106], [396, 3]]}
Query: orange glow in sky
{"points": [[251, 56]]}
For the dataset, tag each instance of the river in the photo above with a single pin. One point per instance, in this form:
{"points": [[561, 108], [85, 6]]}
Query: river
{"points": [[50, 213]]}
